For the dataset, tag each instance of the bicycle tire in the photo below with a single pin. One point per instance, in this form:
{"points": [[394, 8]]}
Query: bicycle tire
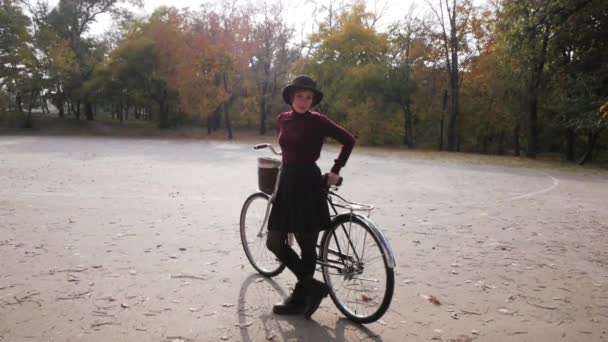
{"points": [[360, 272], [253, 239]]}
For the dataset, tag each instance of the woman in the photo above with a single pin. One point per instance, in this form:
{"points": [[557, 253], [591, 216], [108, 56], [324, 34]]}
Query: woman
{"points": [[300, 206]]}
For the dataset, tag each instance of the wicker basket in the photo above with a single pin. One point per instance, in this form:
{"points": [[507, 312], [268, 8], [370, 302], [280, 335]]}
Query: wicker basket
{"points": [[268, 170]]}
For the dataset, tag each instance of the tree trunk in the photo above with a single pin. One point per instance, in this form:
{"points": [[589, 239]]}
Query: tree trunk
{"points": [[453, 119], [28, 119], [570, 144], [264, 100], [535, 85], [263, 115], [408, 136], [453, 131], [532, 124], [227, 120], [19, 102], [88, 111], [213, 121], [60, 107], [516, 145], [444, 110], [592, 139], [225, 112], [441, 133], [485, 141], [217, 120], [45, 107], [163, 121], [501, 143], [119, 111], [77, 110]]}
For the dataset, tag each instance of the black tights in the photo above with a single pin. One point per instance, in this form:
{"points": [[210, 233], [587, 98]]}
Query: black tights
{"points": [[303, 267]]}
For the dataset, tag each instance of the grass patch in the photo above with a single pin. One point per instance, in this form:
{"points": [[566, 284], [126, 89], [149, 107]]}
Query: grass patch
{"points": [[543, 162], [70, 126]]}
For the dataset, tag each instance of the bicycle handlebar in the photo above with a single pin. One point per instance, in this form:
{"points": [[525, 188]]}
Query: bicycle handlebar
{"points": [[265, 145]]}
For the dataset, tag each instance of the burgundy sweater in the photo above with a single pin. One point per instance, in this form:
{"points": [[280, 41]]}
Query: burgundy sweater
{"points": [[301, 138]]}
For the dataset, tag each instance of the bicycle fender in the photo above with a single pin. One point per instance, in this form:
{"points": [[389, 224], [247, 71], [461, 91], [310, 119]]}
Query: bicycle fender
{"points": [[387, 250]]}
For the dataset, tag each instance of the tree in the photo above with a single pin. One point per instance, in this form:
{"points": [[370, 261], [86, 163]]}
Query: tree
{"points": [[166, 30], [197, 70], [485, 89], [526, 33], [16, 56], [270, 58], [67, 23], [453, 21], [403, 36], [349, 60]]}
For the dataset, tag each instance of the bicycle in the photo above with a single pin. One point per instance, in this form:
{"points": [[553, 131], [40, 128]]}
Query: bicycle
{"points": [[354, 256]]}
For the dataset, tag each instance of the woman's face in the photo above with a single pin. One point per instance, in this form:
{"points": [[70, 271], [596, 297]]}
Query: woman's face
{"points": [[302, 100]]}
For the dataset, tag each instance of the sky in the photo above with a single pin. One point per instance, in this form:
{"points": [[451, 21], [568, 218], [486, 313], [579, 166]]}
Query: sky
{"points": [[297, 12]]}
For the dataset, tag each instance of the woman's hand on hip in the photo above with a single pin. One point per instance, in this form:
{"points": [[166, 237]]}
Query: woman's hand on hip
{"points": [[332, 178]]}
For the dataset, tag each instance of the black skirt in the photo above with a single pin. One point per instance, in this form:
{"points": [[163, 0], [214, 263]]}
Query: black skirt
{"points": [[301, 202]]}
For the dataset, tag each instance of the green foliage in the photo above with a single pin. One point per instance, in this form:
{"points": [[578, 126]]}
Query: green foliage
{"points": [[579, 74], [16, 55], [350, 62]]}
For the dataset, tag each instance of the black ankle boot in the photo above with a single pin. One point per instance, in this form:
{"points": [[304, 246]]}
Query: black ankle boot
{"points": [[315, 291], [294, 304]]}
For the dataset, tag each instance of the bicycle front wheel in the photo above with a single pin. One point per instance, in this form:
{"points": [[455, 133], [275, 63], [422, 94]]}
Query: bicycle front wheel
{"points": [[360, 282], [253, 236]]}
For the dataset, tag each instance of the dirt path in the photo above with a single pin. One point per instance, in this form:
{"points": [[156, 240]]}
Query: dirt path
{"points": [[137, 240]]}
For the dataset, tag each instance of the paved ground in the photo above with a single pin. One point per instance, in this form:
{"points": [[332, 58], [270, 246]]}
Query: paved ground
{"points": [[137, 240]]}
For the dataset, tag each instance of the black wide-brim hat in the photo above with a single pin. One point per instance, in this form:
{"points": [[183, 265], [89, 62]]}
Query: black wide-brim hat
{"points": [[302, 82]]}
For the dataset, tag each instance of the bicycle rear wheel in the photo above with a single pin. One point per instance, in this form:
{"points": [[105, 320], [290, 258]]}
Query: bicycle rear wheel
{"points": [[253, 236], [360, 282]]}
